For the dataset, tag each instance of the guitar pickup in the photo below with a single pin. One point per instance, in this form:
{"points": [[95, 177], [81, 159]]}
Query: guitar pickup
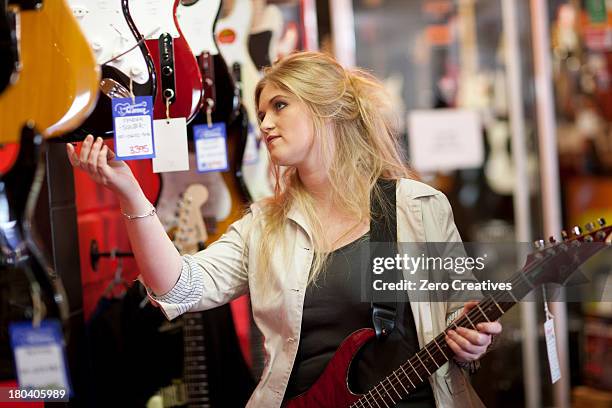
{"points": [[166, 65]]}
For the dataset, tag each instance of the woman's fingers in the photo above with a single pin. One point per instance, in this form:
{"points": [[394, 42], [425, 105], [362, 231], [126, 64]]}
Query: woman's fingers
{"points": [[474, 337], [490, 328], [85, 149], [460, 353], [103, 167], [92, 161], [72, 156]]}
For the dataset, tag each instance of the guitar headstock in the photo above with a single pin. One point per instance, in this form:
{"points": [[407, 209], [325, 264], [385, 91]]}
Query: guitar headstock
{"points": [[191, 232], [555, 262]]}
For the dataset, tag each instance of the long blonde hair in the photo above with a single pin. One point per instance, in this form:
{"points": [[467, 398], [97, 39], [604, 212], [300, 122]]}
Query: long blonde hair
{"points": [[353, 119]]}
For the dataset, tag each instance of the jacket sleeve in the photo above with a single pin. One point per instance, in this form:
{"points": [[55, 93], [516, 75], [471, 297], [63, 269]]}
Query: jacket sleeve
{"points": [[211, 277], [451, 245]]}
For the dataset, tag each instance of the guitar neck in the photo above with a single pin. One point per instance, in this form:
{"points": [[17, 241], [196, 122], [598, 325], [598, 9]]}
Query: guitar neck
{"points": [[410, 375], [195, 369]]}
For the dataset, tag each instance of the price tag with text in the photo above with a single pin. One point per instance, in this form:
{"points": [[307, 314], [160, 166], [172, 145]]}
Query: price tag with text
{"points": [[551, 348], [211, 147], [133, 125], [39, 355]]}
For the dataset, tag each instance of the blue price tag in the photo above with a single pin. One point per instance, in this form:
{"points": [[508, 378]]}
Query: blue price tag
{"points": [[133, 124], [39, 355], [211, 147]]}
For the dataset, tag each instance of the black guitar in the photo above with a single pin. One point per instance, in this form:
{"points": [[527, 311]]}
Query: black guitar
{"points": [[29, 287]]}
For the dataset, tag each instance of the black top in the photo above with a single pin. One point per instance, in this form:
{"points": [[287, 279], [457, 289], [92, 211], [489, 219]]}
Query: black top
{"points": [[333, 310]]}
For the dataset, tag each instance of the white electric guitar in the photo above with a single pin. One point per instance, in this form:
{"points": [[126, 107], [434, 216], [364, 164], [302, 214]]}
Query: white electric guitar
{"points": [[266, 30], [110, 37], [197, 22], [232, 33], [119, 49]]}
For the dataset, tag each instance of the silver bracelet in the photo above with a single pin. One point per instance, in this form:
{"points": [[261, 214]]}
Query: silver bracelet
{"points": [[153, 211]]}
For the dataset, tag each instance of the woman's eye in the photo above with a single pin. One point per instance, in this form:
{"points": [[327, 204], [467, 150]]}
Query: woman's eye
{"points": [[279, 105]]}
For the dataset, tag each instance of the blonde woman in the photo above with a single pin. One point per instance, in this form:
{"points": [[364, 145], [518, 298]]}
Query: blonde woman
{"points": [[328, 129]]}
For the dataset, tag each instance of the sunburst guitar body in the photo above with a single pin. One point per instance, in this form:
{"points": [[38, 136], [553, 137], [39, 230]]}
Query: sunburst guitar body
{"points": [[57, 84]]}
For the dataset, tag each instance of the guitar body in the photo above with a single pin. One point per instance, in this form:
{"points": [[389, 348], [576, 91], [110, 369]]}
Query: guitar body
{"points": [[29, 288], [553, 263], [58, 83], [331, 388], [232, 34], [8, 46], [111, 32], [265, 35], [182, 84], [197, 22]]}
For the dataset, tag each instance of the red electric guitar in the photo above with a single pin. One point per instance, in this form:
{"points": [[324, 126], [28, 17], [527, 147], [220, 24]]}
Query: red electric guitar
{"points": [[179, 83], [554, 263]]}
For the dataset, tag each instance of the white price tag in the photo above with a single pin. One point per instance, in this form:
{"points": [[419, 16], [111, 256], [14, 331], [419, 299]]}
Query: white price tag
{"points": [[551, 348], [211, 147], [133, 131], [172, 152], [39, 355]]}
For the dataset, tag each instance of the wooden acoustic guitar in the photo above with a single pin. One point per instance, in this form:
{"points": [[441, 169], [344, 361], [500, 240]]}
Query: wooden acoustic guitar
{"points": [[552, 263], [179, 82], [58, 78], [120, 50]]}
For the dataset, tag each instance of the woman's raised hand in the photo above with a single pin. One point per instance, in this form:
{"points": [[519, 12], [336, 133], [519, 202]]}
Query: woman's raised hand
{"points": [[98, 161]]}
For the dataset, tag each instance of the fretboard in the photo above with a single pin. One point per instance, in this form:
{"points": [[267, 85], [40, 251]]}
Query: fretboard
{"points": [[404, 380], [195, 372]]}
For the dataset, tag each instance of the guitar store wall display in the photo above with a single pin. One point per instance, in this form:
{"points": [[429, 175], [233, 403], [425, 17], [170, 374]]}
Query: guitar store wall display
{"points": [[121, 52]]}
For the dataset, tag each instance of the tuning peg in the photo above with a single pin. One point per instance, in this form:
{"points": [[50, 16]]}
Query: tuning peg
{"points": [[539, 244], [601, 222], [552, 240], [577, 231], [564, 235], [590, 226]]}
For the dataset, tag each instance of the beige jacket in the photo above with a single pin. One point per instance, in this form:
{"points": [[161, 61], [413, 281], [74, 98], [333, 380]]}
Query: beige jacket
{"points": [[218, 274]]}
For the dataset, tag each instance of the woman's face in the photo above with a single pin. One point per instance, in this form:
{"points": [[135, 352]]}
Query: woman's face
{"points": [[286, 127]]}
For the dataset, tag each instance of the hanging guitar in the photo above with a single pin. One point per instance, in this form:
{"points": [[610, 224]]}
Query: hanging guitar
{"points": [[59, 92], [197, 20], [210, 346], [120, 50], [179, 83], [232, 34], [554, 263], [29, 287], [8, 46], [265, 33]]}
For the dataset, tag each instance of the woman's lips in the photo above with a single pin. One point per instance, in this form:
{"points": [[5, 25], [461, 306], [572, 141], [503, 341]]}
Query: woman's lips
{"points": [[269, 139]]}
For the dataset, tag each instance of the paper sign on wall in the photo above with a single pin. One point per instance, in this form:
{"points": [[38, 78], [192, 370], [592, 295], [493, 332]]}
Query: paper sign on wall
{"points": [[445, 139]]}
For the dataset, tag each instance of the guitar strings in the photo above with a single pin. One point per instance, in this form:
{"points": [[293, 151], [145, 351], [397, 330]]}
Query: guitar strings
{"points": [[475, 316], [475, 319]]}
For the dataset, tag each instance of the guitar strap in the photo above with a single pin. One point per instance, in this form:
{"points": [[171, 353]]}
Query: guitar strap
{"points": [[383, 243]]}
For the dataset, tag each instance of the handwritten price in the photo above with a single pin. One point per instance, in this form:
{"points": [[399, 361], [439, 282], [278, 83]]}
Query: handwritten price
{"points": [[137, 149]]}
